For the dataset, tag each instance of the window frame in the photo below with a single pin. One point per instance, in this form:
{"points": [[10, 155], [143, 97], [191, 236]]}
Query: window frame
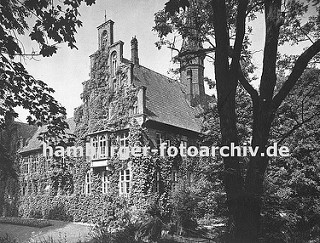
{"points": [[157, 182], [102, 146], [95, 144], [114, 63], [174, 180], [125, 180], [88, 183], [123, 139], [105, 181]]}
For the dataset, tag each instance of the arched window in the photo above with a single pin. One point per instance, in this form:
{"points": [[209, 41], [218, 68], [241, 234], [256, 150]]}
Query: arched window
{"points": [[104, 38], [114, 63]]}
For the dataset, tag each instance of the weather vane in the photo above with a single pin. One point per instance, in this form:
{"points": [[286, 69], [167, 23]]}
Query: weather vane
{"points": [[105, 15]]}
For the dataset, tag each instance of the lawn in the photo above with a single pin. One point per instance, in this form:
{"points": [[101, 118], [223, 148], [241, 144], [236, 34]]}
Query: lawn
{"points": [[59, 231]]}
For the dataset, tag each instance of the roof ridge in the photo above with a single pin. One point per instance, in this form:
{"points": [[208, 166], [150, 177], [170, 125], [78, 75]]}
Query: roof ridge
{"points": [[174, 80]]}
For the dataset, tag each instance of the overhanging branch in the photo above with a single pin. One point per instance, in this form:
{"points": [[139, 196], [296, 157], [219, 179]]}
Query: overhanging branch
{"points": [[297, 71]]}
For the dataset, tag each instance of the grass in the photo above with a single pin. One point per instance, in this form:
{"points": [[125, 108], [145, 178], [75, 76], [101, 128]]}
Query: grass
{"points": [[38, 223], [7, 239]]}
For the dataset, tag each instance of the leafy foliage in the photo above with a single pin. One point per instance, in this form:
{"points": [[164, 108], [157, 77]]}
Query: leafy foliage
{"points": [[54, 24], [291, 204]]}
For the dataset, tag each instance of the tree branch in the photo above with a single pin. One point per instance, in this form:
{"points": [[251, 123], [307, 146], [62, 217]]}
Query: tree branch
{"points": [[273, 22], [297, 71], [247, 86], [196, 52], [295, 127], [240, 32]]}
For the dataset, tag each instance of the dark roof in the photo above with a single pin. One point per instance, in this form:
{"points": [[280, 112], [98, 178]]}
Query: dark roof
{"points": [[34, 143], [165, 100], [24, 130]]}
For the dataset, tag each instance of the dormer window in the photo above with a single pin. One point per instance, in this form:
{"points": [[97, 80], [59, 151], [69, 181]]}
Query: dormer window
{"points": [[114, 63]]}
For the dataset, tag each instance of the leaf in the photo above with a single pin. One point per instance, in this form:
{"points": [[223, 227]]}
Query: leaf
{"points": [[48, 51]]}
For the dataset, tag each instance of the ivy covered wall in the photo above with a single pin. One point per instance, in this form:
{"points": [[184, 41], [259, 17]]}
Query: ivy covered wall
{"points": [[110, 102]]}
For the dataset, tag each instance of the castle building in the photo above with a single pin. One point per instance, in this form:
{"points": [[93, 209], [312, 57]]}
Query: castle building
{"points": [[123, 104]]}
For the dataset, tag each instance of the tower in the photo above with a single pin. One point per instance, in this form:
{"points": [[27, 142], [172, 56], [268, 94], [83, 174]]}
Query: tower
{"points": [[192, 73], [192, 64], [105, 34]]}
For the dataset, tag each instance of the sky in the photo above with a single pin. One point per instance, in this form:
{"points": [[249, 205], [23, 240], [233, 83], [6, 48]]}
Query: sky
{"points": [[66, 70]]}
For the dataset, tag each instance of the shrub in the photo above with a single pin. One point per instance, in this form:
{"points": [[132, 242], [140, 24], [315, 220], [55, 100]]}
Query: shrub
{"points": [[59, 213], [184, 211], [39, 223]]}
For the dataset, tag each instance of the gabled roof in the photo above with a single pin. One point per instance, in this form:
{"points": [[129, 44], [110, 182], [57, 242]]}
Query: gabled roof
{"points": [[24, 130], [165, 100], [34, 143]]}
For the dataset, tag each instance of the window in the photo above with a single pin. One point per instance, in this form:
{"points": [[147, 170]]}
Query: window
{"points": [[104, 38], [174, 180], [124, 139], [114, 63], [46, 165], [100, 146], [87, 183], [168, 142], [103, 146], [157, 181], [29, 187], [24, 187], [34, 164], [35, 186], [114, 85], [135, 108], [105, 181], [159, 139], [25, 167], [184, 144], [125, 180], [111, 110], [189, 177], [95, 147]]}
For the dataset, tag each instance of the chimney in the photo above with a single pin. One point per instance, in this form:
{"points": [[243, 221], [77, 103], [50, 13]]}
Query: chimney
{"points": [[134, 51]]}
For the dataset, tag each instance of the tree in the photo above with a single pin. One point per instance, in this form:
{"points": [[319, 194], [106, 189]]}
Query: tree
{"points": [[54, 23], [220, 27], [291, 201]]}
